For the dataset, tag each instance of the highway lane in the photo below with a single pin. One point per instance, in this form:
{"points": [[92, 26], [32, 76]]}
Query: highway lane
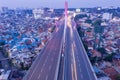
{"points": [[84, 69], [46, 67], [67, 53], [77, 65], [72, 71]]}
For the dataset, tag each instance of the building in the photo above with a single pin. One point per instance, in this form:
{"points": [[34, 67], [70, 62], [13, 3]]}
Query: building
{"points": [[107, 16], [111, 72], [78, 10], [5, 9], [38, 13], [116, 60], [4, 75]]}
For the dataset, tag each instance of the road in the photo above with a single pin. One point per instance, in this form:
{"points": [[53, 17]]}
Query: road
{"points": [[77, 64], [67, 54], [84, 68], [46, 66]]}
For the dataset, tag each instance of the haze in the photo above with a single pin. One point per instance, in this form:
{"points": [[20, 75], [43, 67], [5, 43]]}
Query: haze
{"points": [[58, 3]]}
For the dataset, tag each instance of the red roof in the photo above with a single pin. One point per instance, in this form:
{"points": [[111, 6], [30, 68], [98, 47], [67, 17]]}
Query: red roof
{"points": [[111, 72]]}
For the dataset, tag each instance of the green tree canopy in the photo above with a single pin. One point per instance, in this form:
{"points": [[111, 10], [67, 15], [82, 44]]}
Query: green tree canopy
{"points": [[102, 50], [80, 16], [2, 43], [97, 22], [88, 21], [109, 57], [118, 77]]}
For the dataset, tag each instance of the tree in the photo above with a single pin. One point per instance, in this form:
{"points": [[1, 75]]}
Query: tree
{"points": [[97, 22], [118, 77], [98, 30], [102, 50], [85, 46], [118, 44], [109, 57], [93, 60], [80, 31], [2, 43], [0, 64], [88, 21], [22, 65], [79, 16]]}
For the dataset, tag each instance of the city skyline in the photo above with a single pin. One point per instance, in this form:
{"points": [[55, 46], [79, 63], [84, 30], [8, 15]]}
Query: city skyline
{"points": [[58, 3], [44, 40]]}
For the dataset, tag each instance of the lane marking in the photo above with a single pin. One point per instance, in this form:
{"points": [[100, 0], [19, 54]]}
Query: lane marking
{"points": [[74, 63], [78, 60], [50, 67], [84, 60], [46, 77], [75, 71], [79, 64], [52, 60], [35, 68], [81, 76], [42, 68], [72, 72]]}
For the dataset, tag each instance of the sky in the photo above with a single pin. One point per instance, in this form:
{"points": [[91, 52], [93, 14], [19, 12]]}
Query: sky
{"points": [[58, 3]]}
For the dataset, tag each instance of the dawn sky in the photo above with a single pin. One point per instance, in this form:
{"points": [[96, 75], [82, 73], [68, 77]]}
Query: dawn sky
{"points": [[58, 3]]}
